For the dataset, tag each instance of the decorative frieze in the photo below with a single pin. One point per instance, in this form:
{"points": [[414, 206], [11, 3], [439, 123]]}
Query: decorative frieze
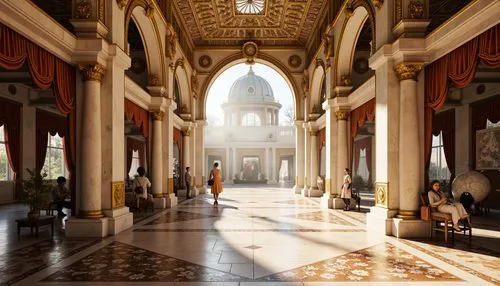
{"points": [[382, 194], [408, 70], [92, 72], [117, 194]]}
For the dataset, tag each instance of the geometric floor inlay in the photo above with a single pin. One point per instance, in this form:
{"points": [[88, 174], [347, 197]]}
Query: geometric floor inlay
{"points": [[321, 216], [296, 202], [175, 216], [119, 262], [382, 262]]}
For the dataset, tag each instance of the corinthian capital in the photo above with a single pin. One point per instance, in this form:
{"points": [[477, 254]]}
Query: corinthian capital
{"points": [[158, 115], [408, 70], [342, 114], [92, 72]]}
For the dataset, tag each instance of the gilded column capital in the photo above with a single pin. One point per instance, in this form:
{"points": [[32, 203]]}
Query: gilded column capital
{"points": [[92, 72], [342, 114], [313, 132], [186, 133], [408, 70], [158, 115]]}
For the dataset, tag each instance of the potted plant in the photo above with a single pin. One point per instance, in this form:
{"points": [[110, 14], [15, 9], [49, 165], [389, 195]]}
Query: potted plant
{"points": [[34, 192]]}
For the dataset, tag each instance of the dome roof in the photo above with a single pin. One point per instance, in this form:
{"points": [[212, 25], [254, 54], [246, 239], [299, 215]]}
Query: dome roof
{"points": [[251, 88]]}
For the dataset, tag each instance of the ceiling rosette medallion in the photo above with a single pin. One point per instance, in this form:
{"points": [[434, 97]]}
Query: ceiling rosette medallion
{"points": [[294, 61], [205, 61], [250, 50]]}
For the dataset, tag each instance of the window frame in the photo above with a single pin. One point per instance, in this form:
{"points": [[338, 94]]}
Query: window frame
{"points": [[47, 165], [10, 173]]}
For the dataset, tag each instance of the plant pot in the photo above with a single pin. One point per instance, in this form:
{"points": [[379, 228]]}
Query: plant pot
{"points": [[34, 215]]}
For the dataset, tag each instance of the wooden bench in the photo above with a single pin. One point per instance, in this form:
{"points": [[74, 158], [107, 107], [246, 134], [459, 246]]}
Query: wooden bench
{"points": [[35, 223], [440, 221]]}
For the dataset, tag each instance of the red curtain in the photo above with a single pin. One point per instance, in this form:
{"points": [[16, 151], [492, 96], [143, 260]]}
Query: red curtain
{"points": [[365, 143], [138, 115], [12, 48], [10, 118], [359, 116], [47, 122], [481, 111], [459, 67], [444, 122]]}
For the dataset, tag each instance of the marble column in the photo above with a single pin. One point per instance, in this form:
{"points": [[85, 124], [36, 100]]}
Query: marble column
{"points": [[409, 162], [225, 165], [313, 189], [273, 165], [299, 156], [331, 156], [307, 161], [90, 195], [342, 143], [200, 157], [276, 118], [186, 154], [156, 159]]}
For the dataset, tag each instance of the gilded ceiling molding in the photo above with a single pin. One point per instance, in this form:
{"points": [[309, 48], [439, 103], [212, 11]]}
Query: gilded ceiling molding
{"points": [[407, 71], [237, 57], [121, 3]]}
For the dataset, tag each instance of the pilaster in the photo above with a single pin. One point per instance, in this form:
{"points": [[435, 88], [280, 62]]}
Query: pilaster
{"points": [[200, 157], [299, 156]]}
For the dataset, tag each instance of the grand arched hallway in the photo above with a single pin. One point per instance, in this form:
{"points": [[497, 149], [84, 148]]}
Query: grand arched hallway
{"points": [[254, 236]]}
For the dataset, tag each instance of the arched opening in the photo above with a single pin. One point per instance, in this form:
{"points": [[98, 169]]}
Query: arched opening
{"points": [[138, 71], [250, 132]]}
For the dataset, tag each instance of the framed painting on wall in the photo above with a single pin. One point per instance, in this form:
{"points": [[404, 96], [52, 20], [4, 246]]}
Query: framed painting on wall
{"points": [[488, 149]]}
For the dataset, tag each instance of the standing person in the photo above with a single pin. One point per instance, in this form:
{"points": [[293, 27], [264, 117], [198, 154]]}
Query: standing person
{"points": [[61, 196], [217, 185], [143, 182], [437, 199], [187, 180], [346, 192]]}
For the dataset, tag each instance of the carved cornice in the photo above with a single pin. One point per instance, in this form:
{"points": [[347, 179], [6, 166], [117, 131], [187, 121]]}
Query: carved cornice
{"points": [[342, 114], [408, 70], [158, 115], [92, 72]]}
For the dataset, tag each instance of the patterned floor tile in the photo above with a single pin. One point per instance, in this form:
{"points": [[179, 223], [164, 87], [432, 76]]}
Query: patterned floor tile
{"points": [[321, 216], [176, 216], [296, 202], [119, 262], [20, 263], [383, 262]]}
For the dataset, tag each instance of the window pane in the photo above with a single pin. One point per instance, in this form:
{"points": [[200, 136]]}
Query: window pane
{"points": [[55, 164], [490, 124], [2, 137], [4, 173]]}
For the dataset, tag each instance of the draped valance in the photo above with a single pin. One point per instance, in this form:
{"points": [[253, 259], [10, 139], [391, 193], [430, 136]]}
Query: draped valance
{"points": [[360, 115], [138, 115]]}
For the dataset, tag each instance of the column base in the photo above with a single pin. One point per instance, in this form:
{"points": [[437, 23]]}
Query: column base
{"points": [[171, 200], [326, 201], [305, 191], [380, 220], [314, 192], [119, 220], [201, 190], [403, 228], [80, 227], [297, 189], [160, 203], [338, 203]]}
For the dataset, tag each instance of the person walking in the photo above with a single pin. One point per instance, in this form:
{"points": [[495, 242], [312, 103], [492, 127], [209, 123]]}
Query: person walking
{"points": [[217, 182], [187, 181], [346, 192]]}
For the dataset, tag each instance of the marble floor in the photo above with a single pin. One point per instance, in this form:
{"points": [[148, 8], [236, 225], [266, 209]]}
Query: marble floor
{"points": [[255, 236]]}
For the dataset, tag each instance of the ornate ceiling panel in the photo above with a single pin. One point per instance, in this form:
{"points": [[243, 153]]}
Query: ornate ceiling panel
{"points": [[281, 22]]}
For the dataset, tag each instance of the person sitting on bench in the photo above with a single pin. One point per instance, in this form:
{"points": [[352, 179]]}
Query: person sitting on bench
{"points": [[61, 196], [141, 185]]}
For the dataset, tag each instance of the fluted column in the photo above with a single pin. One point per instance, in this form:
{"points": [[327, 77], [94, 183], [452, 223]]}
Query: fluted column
{"points": [[313, 189], [91, 161], [409, 143], [157, 162], [299, 156], [186, 154], [342, 143]]}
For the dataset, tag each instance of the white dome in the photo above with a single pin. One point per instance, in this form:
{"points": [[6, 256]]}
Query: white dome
{"points": [[251, 88]]}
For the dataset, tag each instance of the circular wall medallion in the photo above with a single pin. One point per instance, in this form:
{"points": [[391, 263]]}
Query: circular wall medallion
{"points": [[294, 61], [138, 65], [250, 50], [361, 65], [205, 61]]}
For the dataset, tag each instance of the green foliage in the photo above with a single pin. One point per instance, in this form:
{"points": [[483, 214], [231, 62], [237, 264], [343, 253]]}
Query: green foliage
{"points": [[358, 183], [34, 189]]}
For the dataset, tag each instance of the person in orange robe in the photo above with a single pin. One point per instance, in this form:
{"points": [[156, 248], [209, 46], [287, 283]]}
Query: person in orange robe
{"points": [[217, 186]]}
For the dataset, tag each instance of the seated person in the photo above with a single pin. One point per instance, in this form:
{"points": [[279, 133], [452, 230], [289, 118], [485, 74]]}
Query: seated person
{"points": [[61, 196], [437, 199], [143, 182]]}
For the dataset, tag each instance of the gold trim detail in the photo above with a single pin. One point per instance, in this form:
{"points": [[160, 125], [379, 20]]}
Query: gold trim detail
{"points": [[121, 3], [186, 133], [345, 80], [313, 132], [92, 72], [378, 3], [408, 70], [90, 214], [149, 10], [170, 185], [416, 10], [170, 46], [382, 194], [328, 187], [294, 61], [83, 10], [117, 194], [250, 50], [342, 114], [160, 195], [329, 49], [349, 10], [158, 115], [408, 214]]}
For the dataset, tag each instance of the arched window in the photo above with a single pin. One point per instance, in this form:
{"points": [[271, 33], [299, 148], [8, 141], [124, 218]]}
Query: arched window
{"points": [[251, 119]]}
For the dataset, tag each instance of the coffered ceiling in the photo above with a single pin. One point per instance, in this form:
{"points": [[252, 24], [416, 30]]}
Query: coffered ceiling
{"points": [[221, 23]]}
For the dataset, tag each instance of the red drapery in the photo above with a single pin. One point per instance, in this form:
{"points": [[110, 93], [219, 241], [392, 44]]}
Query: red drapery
{"points": [[138, 115], [481, 111], [444, 122], [458, 67], [359, 116], [46, 71], [47, 122], [135, 145], [10, 118], [321, 144], [365, 143]]}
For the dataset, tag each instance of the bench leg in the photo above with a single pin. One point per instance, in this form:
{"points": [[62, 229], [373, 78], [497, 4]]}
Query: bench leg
{"points": [[446, 231]]}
